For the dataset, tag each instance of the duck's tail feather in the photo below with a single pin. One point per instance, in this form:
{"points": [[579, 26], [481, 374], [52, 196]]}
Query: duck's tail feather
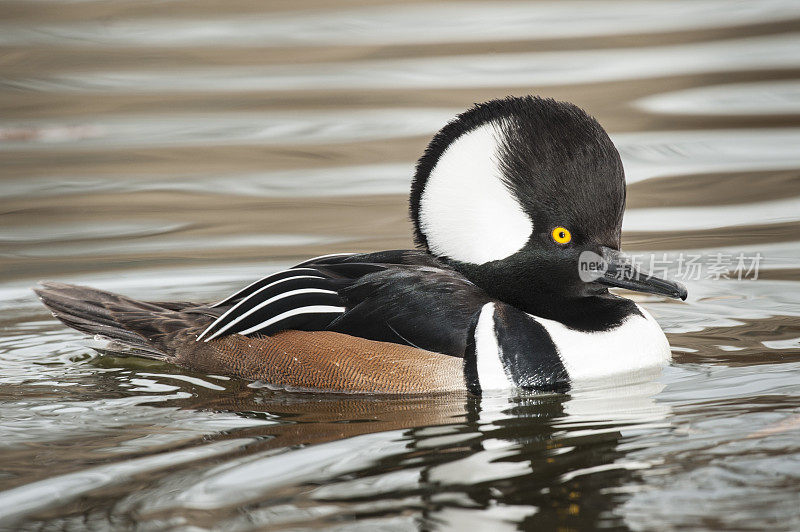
{"points": [[134, 327]]}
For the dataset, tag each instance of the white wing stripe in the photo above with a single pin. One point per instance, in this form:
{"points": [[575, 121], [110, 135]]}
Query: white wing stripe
{"points": [[298, 270], [267, 302], [237, 305], [322, 257], [313, 309], [328, 256]]}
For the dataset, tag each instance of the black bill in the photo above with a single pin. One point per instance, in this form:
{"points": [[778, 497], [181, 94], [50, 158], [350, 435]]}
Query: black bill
{"points": [[620, 272]]}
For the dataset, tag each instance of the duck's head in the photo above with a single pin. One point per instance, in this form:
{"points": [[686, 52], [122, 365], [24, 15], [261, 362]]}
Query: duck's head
{"points": [[513, 193]]}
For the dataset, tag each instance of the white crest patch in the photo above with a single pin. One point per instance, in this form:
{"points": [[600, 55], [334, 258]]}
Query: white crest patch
{"points": [[491, 372], [637, 346], [466, 211]]}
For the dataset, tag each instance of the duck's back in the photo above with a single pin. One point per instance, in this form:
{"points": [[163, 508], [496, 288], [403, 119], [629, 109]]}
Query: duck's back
{"points": [[405, 296], [303, 360]]}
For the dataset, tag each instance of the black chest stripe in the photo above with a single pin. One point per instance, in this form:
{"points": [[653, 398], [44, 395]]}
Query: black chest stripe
{"points": [[527, 351], [528, 354]]}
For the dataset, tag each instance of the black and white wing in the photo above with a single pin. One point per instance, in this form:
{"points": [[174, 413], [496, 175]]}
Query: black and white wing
{"points": [[305, 297], [403, 296], [299, 298]]}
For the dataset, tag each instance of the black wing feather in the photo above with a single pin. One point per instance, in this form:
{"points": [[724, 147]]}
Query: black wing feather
{"points": [[399, 296], [257, 312], [261, 283], [425, 307], [400, 257]]}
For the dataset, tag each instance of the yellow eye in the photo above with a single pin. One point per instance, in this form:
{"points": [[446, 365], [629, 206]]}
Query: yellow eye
{"points": [[562, 235]]}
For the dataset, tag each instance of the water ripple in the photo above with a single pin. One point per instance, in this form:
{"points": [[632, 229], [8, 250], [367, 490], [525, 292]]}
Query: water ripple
{"points": [[645, 155], [219, 129], [763, 98], [462, 71], [82, 231], [167, 245], [62, 489], [652, 154], [306, 182], [407, 24], [711, 217]]}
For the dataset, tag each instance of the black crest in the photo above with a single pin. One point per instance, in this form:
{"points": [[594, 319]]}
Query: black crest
{"points": [[556, 159]]}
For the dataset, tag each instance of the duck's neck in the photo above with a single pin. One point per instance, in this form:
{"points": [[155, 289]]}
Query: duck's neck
{"points": [[596, 312], [518, 287], [590, 313]]}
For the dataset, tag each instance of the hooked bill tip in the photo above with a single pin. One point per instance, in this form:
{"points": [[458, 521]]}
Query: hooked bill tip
{"points": [[682, 292]]}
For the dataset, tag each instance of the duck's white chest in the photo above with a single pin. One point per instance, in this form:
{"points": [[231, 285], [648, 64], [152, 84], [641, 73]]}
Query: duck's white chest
{"points": [[638, 345]]}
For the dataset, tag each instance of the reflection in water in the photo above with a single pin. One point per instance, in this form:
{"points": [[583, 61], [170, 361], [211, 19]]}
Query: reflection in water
{"points": [[452, 455], [179, 153]]}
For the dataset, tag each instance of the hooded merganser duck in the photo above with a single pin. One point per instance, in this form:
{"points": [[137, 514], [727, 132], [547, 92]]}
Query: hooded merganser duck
{"points": [[517, 207]]}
